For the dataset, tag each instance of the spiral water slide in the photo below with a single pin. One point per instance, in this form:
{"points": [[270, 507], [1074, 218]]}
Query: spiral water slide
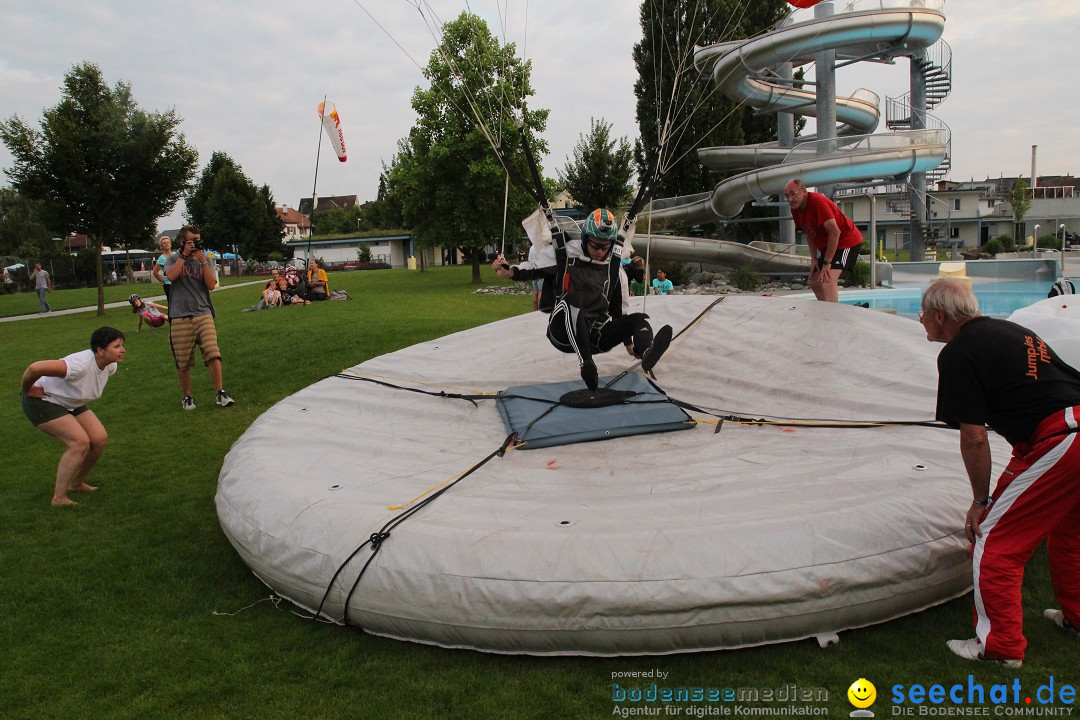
{"points": [[745, 71]]}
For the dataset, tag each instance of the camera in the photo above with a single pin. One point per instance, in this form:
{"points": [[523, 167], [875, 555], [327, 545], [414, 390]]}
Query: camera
{"points": [[196, 244]]}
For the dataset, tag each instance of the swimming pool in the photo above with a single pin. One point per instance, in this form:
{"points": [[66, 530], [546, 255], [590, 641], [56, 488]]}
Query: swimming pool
{"points": [[997, 299]]}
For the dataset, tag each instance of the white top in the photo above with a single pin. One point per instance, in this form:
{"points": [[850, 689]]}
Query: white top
{"points": [[83, 383]]}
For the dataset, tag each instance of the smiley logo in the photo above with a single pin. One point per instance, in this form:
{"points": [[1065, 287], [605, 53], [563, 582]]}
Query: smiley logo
{"points": [[862, 693]]}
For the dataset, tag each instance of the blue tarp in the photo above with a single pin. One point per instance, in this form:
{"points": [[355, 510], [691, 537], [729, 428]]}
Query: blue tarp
{"points": [[528, 411]]}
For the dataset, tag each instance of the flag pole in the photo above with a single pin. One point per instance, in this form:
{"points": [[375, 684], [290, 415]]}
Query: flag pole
{"points": [[315, 184]]}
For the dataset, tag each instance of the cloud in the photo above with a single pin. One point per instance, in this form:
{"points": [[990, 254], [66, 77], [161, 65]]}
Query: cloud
{"points": [[246, 76]]}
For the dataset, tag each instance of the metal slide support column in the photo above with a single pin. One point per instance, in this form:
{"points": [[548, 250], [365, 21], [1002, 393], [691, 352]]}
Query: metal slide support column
{"points": [[825, 75], [918, 180], [785, 134]]}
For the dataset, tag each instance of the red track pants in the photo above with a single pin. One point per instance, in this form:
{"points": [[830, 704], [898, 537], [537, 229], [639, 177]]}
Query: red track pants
{"points": [[1036, 498]]}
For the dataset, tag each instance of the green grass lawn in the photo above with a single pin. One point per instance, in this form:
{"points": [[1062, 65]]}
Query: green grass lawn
{"points": [[134, 605]]}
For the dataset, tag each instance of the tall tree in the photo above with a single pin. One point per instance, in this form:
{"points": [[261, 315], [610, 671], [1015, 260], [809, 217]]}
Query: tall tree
{"points": [[22, 231], [271, 229], [1020, 202], [456, 181], [671, 93], [100, 164], [230, 210], [600, 173]]}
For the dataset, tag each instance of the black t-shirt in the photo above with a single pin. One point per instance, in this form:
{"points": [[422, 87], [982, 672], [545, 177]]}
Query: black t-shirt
{"points": [[1000, 374]]}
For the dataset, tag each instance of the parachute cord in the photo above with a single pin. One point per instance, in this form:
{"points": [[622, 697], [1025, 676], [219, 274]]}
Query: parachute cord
{"points": [[376, 540]]}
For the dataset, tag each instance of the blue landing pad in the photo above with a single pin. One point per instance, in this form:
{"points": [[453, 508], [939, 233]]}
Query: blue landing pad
{"points": [[531, 412]]}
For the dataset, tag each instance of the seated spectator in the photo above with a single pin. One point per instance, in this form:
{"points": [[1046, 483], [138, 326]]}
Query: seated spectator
{"points": [[660, 284], [271, 296], [318, 286], [292, 289], [148, 312]]}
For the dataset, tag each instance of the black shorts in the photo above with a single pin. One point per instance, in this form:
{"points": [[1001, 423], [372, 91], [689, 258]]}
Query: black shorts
{"points": [[844, 259], [40, 411]]}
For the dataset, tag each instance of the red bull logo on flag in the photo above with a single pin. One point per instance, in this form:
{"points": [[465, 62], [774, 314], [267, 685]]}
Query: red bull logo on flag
{"points": [[332, 124]]}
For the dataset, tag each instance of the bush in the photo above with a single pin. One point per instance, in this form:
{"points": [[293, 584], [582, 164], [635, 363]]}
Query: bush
{"points": [[1050, 242], [1007, 242], [859, 276], [993, 246], [745, 278], [363, 253], [677, 272]]}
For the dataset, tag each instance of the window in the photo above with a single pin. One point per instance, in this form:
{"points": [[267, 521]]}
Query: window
{"points": [[954, 233], [956, 204]]}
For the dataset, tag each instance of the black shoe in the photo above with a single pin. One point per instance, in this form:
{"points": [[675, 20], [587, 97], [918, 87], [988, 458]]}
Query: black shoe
{"points": [[589, 375], [659, 346]]}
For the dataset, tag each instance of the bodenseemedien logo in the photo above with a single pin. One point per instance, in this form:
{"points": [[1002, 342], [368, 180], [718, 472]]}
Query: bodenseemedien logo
{"points": [[862, 695]]}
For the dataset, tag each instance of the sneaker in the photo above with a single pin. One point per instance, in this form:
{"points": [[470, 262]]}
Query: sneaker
{"points": [[188, 403], [972, 650], [223, 399], [589, 374], [659, 346], [1058, 618]]}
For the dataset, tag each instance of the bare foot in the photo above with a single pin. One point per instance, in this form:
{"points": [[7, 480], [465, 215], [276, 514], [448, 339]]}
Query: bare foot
{"points": [[83, 488], [61, 502]]}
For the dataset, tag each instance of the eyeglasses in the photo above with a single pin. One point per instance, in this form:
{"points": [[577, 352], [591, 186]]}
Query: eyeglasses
{"points": [[597, 244]]}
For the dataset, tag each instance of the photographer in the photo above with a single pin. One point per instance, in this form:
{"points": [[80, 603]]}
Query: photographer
{"points": [[191, 313]]}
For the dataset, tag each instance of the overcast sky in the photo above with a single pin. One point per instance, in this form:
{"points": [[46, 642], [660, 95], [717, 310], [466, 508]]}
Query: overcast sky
{"points": [[246, 76]]}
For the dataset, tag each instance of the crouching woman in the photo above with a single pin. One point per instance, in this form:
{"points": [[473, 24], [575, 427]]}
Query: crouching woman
{"points": [[54, 398]]}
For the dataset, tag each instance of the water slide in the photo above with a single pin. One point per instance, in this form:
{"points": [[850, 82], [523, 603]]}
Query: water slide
{"points": [[763, 257], [744, 71]]}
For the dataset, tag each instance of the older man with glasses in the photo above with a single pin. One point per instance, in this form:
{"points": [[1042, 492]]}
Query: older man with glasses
{"points": [[997, 373]]}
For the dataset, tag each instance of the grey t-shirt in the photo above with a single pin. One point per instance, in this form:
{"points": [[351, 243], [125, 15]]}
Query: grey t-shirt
{"points": [[41, 280], [189, 295]]}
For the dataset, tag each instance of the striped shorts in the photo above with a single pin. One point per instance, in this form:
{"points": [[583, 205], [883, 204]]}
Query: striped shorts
{"points": [[187, 332]]}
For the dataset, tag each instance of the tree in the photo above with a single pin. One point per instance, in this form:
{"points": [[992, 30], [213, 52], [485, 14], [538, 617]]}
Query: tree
{"points": [[447, 178], [698, 114], [99, 164], [22, 232], [229, 210], [600, 173], [1020, 202], [270, 230]]}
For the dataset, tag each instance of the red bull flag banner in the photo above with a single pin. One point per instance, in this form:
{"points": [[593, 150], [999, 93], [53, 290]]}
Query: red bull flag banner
{"points": [[332, 123]]}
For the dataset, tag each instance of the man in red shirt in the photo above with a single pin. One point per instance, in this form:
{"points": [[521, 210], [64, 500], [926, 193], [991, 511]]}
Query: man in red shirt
{"points": [[833, 238]]}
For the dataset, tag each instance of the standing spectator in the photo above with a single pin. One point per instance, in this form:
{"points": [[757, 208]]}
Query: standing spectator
{"points": [[318, 287], [537, 283], [635, 271], [43, 285], [191, 314], [994, 372], [833, 239], [54, 398], [660, 284], [159, 266]]}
